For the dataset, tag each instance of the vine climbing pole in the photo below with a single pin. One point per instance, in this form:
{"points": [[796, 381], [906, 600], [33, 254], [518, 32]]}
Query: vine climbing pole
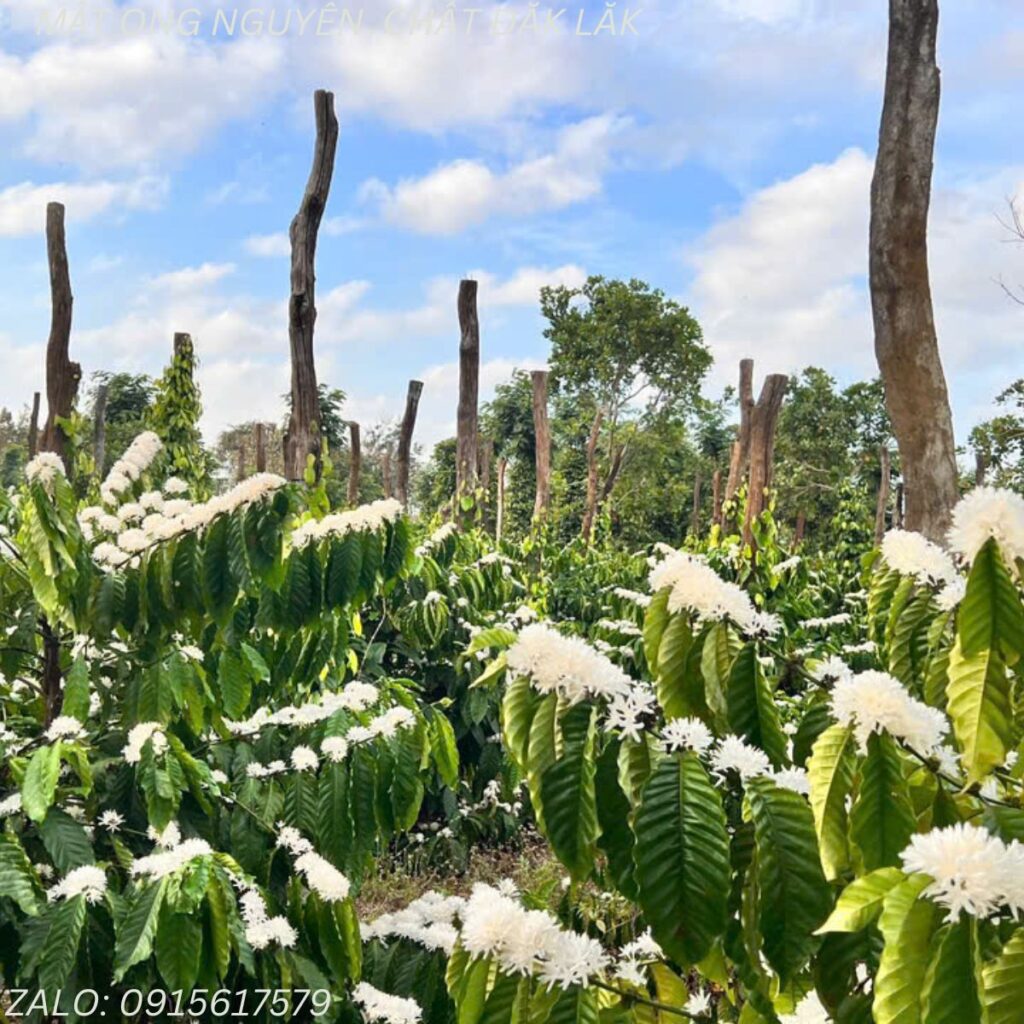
{"points": [[302, 438]]}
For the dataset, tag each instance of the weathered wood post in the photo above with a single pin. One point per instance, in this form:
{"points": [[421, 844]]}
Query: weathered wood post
{"points": [[695, 514], [302, 437], [33, 427], [469, 386], [62, 375], [240, 467], [980, 469], [261, 448], [485, 456], [716, 498], [499, 519], [884, 485], [898, 512], [542, 444], [412, 402], [386, 479], [99, 431], [590, 509], [355, 462], [763, 420], [740, 455]]}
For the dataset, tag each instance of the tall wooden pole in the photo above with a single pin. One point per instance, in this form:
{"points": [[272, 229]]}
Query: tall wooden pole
{"points": [[33, 427], [302, 438], [695, 513], [740, 455], [469, 386], [590, 509], [883, 495], [542, 443], [763, 421], [499, 520], [385, 473], [716, 498], [355, 463], [412, 402], [62, 375], [261, 448]]}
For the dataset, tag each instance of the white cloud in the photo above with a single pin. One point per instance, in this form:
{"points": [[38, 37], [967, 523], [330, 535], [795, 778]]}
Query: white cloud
{"points": [[784, 280], [273, 245], [23, 206], [463, 193], [189, 279]]}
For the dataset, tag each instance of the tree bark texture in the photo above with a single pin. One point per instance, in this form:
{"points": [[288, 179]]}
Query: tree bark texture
{"points": [[499, 517], [302, 437], [412, 403], [33, 427], [590, 509], [763, 420], [542, 444], [884, 486], [906, 345], [716, 498], [740, 455], [469, 386], [355, 463], [695, 513], [261, 448]]}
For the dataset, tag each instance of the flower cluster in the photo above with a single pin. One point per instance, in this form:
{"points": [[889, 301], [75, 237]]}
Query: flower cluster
{"points": [[875, 701], [89, 881], [170, 859], [44, 469], [261, 929], [367, 517], [626, 710], [135, 461], [636, 956], [564, 665], [686, 734], [633, 596], [988, 512], [734, 755], [912, 554], [320, 874], [429, 921], [139, 735], [439, 536], [970, 869], [840, 619], [65, 727], [355, 696], [381, 1006], [695, 587], [528, 941]]}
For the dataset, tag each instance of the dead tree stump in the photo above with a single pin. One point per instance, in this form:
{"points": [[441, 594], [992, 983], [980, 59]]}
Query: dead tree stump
{"points": [[355, 462], [469, 387], [412, 402], [33, 427], [542, 443], [763, 420]]}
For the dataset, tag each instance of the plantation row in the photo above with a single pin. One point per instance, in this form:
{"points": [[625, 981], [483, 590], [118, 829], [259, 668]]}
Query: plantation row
{"points": [[780, 788]]}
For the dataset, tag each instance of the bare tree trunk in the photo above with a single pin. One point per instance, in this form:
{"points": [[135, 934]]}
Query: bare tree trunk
{"points": [[905, 341], [716, 498], [590, 509], [99, 430], [485, 456], [261, 448], [980, 469], [801, 528], [469, 386], [763, 421], [499, 520], [542, 443], [898, 514], [33, 427], [302, 438], [412, 402], [240, 468], [695, 514], [883, 496], [740, 455], [62, 375], [355, 463], [52, 678], [385, 473]]}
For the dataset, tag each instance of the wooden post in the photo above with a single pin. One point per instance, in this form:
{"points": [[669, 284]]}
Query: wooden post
{"points": [[695, 514], [716, 498], [412, 402], [302, 438], [883, 495], [898, 514], [469, 385], [980, 468], [261, 448], [33, 427], [99, 430], [385, 473], [499, 520], [240, 468], [355, 463], [590, 510], [485, 456], [763, 420], [542, 443], [740, 455], [62, 375]]}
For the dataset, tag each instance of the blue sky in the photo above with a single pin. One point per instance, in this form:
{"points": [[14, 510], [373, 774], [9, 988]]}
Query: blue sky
{"points": [[722, 153]]}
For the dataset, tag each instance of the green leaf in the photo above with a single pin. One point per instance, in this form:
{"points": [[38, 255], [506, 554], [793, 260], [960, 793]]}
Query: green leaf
{"points": [[830, 772], [793, 896], [575, 1006], [655, 620], [951, 993], [568, 794], [682, 858], [17, 879], [138, 928], [673, 654], [76, 690], [991, 614], [335, 824], [1004, 982], [861, 901], [882, 818], [907, 924], [235, 683], [65, 840], [179, 948], [444, 748], [60, 948], [613, 814], [752, 711], [517, 709], [40, 782]]}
